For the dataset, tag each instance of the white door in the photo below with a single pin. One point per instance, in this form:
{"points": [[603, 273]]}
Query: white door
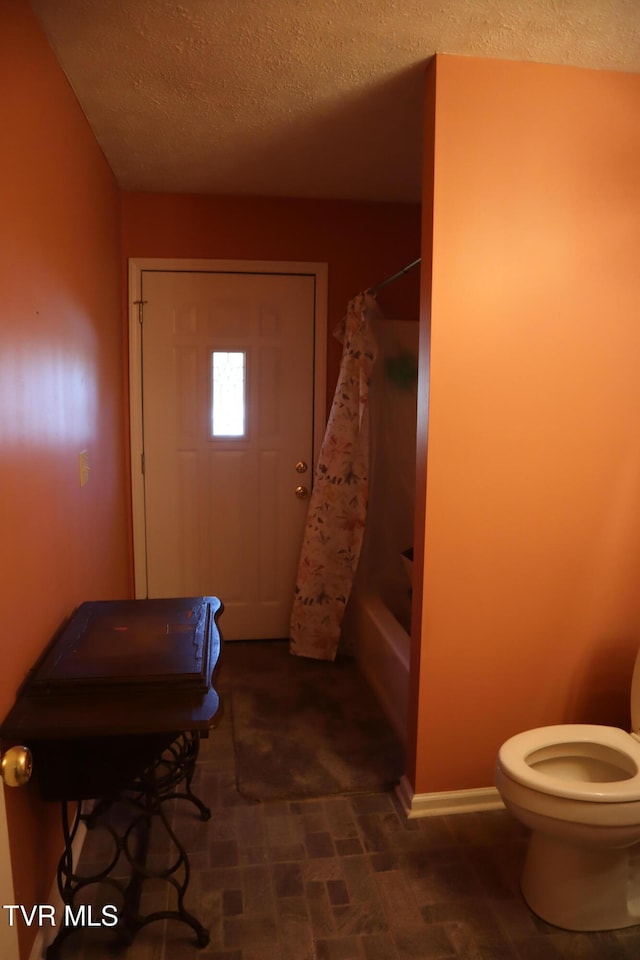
{"points": [[227, 363], [8, 935]]}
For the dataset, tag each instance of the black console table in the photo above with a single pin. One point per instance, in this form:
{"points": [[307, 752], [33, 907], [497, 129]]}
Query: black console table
{"points": [[113, 714]]}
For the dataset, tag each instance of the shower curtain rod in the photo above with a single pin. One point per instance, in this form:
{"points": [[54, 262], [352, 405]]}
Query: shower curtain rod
{"points": [[400, 273]]}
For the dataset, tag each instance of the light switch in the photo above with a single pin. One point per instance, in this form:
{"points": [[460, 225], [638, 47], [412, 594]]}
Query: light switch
{"points": [[83, 460]]}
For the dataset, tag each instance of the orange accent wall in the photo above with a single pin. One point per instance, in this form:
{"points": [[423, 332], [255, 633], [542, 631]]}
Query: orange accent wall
{"points": [[363, 243], [61, 390], [530, 611]]}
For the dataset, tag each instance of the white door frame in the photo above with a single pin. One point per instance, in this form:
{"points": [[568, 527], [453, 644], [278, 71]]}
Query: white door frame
{"points": [[136, 267]]}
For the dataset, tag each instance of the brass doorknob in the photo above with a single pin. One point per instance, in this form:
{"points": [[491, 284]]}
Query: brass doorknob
{"points": [[16, 766], [301, 467], [301, 492]]}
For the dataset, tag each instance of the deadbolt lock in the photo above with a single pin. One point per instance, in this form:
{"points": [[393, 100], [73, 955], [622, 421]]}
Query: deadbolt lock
{"points": [[301, 467], [16, 766]]}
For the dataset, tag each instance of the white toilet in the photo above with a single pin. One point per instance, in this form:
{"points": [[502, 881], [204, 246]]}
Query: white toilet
{"points": [[577, 788]]}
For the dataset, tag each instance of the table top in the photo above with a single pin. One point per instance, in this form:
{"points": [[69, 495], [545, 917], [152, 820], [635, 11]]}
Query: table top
{"points": [[123, 668]]}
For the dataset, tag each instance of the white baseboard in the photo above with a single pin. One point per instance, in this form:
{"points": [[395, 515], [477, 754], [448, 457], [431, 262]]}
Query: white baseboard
{"points": [[46, 934], [455, 801]]}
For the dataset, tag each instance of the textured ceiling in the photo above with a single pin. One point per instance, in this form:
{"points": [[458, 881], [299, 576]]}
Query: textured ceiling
{"points": [[306, 98]]}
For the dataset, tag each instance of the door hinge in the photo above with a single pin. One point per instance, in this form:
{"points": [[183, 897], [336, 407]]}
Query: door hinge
{"points": [[139, 304]]}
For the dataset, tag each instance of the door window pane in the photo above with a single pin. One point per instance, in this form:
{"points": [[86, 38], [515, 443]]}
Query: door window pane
{"points": [[228, 393]]}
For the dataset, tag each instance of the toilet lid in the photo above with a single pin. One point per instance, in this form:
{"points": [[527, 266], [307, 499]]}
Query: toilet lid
{"points": [[635, 696]]}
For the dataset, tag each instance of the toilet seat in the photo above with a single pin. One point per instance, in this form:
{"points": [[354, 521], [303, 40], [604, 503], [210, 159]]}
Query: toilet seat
{"points": [[514, 760]]}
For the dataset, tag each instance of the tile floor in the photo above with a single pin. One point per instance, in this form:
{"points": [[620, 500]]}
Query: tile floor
{"points": [[342, 877]]}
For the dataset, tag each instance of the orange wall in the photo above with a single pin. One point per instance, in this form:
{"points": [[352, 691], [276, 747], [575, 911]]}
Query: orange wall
{"points": [[61, 389], [531, 580], [363, 243]]}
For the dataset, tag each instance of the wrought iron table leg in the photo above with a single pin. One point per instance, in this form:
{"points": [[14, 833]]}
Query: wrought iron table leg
{"points": [[151, 806], [179, 764], [71, 883], [144, 800]]}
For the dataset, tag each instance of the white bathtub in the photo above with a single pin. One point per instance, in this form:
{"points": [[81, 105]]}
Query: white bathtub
{"points": [[376, 629], [381, 646]]}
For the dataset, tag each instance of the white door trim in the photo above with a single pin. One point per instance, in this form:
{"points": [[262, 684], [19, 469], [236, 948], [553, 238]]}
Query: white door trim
{"points": [[136, 268]]}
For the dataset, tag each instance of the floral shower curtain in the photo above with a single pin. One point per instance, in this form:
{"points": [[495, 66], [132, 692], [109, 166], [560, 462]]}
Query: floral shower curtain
{"points": [[338, 504]]}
